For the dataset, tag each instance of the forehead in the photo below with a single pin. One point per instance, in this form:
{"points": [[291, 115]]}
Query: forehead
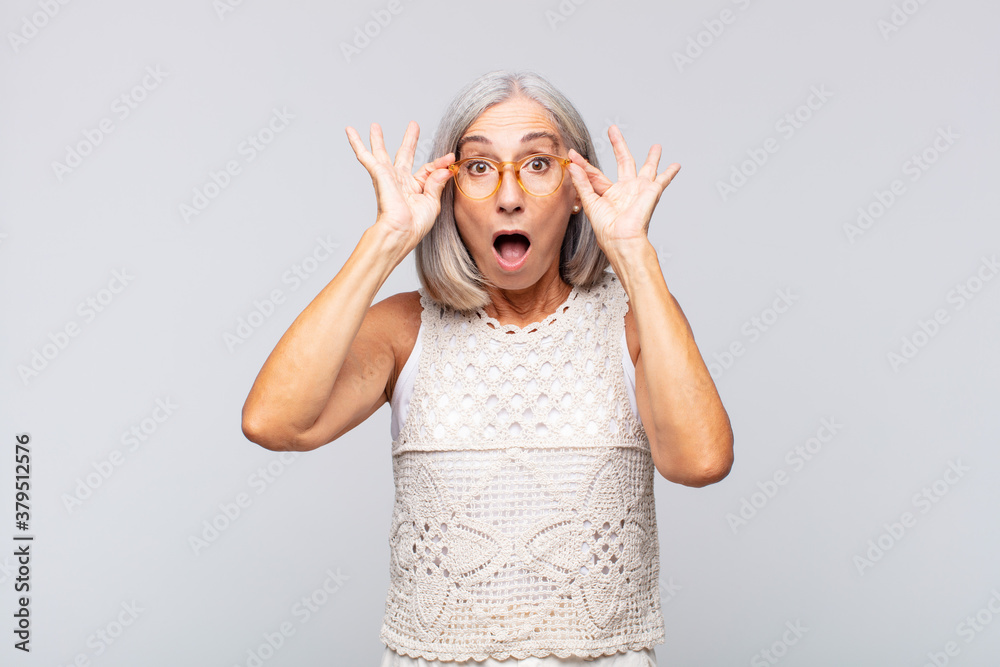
{"points": [[515, 125]]}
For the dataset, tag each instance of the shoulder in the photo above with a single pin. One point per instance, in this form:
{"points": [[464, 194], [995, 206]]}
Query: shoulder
{"points": [[399, 309], [398, 317]]}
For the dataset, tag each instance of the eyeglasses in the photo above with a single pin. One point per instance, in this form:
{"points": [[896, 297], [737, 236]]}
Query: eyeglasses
{"points": [[540, 175]]}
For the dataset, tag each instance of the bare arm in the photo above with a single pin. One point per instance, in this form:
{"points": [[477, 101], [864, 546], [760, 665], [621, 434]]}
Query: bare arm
{"points": [[323, 378], [329, 371], [690, 435]]}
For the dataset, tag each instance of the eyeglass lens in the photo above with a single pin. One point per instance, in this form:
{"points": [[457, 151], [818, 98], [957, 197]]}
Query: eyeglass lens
{"points": [[541, 175]]}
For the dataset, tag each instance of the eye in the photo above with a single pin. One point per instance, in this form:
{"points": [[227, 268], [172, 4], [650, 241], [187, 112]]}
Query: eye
{"points": [[478, 167], [538, 164]]}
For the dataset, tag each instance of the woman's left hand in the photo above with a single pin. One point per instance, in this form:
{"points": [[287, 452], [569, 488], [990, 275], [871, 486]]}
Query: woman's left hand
{"points": [[620, 212]]}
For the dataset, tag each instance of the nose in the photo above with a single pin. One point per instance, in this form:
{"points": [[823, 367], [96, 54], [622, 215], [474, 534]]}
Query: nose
{"points": [[510, 195]]}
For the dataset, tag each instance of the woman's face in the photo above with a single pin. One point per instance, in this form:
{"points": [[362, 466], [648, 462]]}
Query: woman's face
{"points": [[514, 237]]}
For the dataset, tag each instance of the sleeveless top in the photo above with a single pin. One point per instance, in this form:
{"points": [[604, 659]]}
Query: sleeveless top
{"points": [[524, 521], [400, 401]]}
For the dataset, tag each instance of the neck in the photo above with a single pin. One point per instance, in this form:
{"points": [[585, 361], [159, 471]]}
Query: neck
{"points": [[530, 304]]}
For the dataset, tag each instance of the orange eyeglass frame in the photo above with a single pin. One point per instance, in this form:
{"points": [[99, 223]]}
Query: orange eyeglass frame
{"points": [[501, 168]]}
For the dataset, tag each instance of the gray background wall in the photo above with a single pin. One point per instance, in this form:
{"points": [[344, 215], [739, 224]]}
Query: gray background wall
{"points": [[871, 548]]}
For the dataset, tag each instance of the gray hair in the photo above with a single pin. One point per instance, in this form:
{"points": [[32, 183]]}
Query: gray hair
{"points": [[445, 266]]}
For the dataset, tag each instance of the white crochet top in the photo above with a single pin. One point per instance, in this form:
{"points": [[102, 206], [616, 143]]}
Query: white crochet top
{"points": [[401, 392], [524, 522]]}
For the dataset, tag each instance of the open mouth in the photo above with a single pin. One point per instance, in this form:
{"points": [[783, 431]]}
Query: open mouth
{"points": [[511, 250]]}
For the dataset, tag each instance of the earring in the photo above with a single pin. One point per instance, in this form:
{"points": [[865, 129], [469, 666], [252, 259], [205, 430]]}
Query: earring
{"points": [[576, 209]]}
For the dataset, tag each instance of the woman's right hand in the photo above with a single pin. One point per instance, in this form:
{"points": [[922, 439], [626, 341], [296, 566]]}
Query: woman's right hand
{"points": [[408, 204]]}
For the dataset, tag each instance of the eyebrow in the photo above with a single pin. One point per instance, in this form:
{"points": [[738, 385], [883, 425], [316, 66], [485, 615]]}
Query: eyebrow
{"points": [[530, 136]]}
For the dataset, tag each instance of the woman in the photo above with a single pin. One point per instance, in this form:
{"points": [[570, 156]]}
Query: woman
{"points": [[533, 392]]}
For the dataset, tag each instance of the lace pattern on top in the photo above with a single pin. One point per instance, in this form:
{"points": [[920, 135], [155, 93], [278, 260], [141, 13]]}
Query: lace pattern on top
{"points": [[548, 383], [524, 522]]}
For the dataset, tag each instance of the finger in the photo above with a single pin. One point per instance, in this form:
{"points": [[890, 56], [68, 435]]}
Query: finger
{"points": [[582, 183], [404, 156], [364, 157], [652, 161], [436, 181], [626, 165], [584, 162], [431, 167], [355, 139], [441, 162], [663, 180], [598, 180], [378, 142]]}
